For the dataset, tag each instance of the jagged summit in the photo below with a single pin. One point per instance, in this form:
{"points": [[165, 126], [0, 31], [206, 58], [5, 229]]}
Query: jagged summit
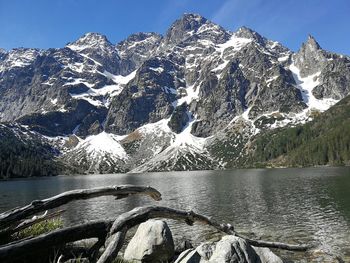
{"points": [[193, 17], [90, 40], [246, 32], [312, 43], [140, 36], [194, 26], [184, 26]]}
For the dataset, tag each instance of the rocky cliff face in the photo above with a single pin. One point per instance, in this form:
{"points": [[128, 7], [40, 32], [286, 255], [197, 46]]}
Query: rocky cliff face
{"points": [[169, 102]]}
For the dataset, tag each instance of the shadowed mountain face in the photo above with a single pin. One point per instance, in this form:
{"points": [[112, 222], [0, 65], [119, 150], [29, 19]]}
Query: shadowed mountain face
{"points": [[166, 101]]}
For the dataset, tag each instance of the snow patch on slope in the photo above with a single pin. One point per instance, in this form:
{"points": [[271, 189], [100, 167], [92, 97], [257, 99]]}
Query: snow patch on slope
{"points": [[18, 58], [235, 43], [182, 145], [108, 91], [102, 144], [306, 86]]}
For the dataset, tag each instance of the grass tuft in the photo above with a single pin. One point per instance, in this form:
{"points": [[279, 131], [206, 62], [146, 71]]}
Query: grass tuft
{"points": [[40, 228]]}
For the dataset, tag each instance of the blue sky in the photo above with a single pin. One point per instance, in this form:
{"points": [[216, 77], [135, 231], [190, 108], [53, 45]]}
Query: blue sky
{"points": [[53, 23]]}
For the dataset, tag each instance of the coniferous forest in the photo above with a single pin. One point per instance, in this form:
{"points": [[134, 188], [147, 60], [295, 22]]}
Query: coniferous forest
{"points": [[24, 157], [324, 141]]}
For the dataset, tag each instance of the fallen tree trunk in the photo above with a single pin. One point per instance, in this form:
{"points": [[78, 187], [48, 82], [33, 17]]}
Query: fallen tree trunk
{"points": [[141, 214], [11, 217], [115, 244], [57, 238]]}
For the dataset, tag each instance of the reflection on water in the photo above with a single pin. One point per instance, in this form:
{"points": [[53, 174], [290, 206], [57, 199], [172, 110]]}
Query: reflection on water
{"points": [[300, 205]]}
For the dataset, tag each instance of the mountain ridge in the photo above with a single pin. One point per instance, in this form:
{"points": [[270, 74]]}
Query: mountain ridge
{"points": [[170, 99]]}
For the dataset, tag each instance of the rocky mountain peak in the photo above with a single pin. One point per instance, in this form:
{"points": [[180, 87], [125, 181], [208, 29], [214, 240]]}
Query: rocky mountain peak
{"points": [[183, 28], [311, 43], [310, 58], [88, 41], [246, 32], [193, 18]]}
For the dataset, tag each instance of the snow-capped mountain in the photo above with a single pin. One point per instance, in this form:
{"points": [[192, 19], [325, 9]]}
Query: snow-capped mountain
{"points": [[154, 102]]}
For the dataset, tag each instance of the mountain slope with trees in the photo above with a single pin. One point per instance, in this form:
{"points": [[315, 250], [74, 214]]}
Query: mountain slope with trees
{"points": [[323, 141]]}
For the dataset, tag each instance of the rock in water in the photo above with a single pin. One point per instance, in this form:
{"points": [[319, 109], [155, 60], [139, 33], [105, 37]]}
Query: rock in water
{"points": [[152, 243], [230, 249]]}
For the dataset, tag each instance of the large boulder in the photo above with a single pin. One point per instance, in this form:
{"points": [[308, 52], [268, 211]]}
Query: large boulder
{"points": [[152, 243], [266, 255], [230, 249]]}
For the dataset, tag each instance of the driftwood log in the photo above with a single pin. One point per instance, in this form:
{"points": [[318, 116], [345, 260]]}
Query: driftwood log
{"points": [[13, 216], [141, 214]]}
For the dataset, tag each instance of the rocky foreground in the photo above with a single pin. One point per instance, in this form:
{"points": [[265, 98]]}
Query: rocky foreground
{"points": [[153, 243]]}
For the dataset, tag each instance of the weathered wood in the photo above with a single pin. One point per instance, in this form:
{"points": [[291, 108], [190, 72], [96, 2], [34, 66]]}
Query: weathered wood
{"points": [[279, 245], [141, 214], [57, 238], [10, 217], [94, 250], [115, 244]]}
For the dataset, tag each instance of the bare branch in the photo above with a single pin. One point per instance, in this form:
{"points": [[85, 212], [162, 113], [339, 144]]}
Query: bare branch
{"points": [[10, 217], [113, 248]]}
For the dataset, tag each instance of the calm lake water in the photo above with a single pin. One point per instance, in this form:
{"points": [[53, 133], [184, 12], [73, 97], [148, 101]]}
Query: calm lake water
{"points": [[287, 205]]}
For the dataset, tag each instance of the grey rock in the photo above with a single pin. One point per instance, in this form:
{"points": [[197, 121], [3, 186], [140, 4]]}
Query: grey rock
{"points": [[179, 118], [146, 99], [266, 255], [136, 49], [151, 243], [220, 101], [334, 79], [310, 58], [230, 249]]}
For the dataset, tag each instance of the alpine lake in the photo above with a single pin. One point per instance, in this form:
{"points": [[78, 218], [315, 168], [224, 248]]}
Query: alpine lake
{"points": [[299, 205]]}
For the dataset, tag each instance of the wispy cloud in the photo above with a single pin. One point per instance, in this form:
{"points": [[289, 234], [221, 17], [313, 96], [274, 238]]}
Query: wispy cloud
{"points": [[236, 10]]}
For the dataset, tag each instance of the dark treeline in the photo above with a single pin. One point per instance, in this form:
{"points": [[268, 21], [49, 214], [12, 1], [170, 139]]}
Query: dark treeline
{"points": [[24, 155]]}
